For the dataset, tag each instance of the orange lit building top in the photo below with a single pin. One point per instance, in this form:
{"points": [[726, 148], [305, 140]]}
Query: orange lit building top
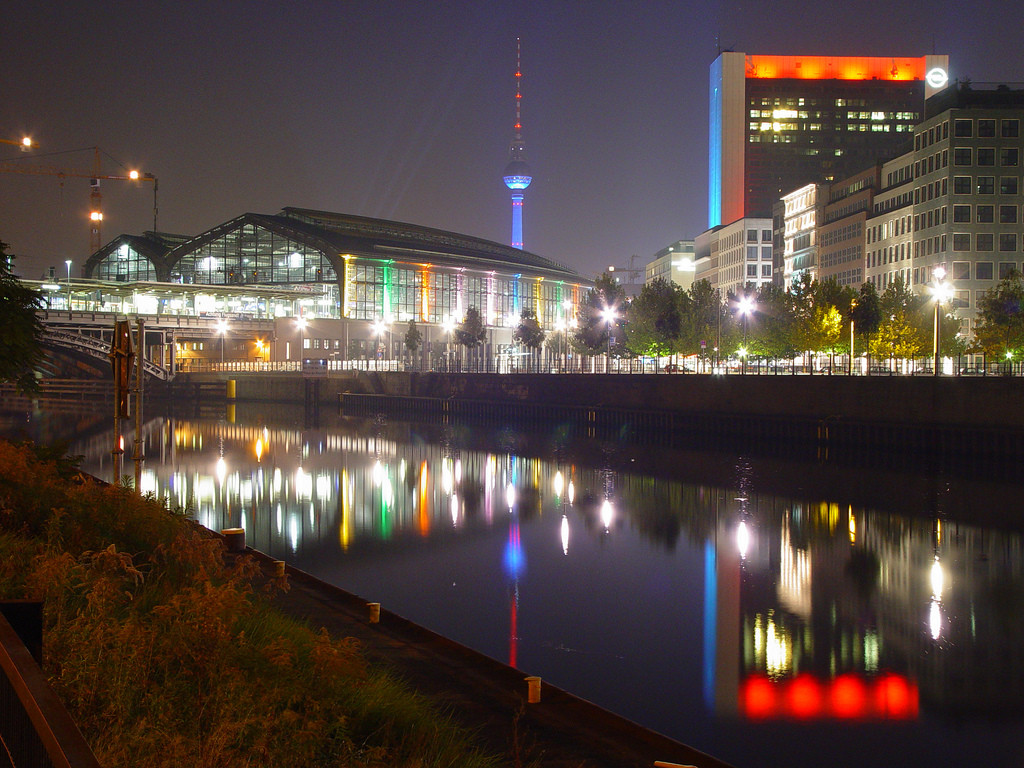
{"points": [[835, 67]]}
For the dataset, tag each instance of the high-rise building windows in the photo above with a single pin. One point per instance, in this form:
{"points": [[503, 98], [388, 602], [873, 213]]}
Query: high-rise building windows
{"points": [[1008, 185], [1007, 214], [962, 214], [961, 242], [1005, 268], [1007, 241], [986, 185], [986, 156], [984, 241], [1009, 129], [961, 185], [986, 129], [963, 129], [1009, 156], [985, 214], [962, 156], [961, 270], [983, 270]]}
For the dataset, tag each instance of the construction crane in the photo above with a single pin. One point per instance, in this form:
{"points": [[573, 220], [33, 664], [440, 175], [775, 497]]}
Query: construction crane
{"points": [[94, 175]]}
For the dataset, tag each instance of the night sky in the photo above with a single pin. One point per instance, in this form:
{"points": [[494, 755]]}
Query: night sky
{"points": [[404, 110]]}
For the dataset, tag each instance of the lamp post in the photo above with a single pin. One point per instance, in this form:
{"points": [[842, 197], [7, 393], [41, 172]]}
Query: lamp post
{"points": [[608, 315], [300, 323], [745, 306], [222, 330], [941, 291], [68, 262]]}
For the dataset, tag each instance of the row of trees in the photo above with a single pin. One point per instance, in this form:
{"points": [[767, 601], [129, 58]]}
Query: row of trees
{"points": [[813, 317], [818, 317]]}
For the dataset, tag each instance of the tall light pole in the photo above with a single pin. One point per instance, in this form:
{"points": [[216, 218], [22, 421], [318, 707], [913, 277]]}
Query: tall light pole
{"points": [[300, 323], [745, 306], [608, 315], [941, 291], [222, 330], [68, 262]]}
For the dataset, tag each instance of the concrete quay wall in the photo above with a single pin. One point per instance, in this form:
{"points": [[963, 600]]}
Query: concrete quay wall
{"points": [[977, 402]]}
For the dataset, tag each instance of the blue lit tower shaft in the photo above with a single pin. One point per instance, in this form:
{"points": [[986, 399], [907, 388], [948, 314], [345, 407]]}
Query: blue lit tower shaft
{"points": [[517, 172]]}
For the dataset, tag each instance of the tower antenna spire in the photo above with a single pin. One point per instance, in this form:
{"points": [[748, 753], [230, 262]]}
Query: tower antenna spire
{"points": [[517, 173]]}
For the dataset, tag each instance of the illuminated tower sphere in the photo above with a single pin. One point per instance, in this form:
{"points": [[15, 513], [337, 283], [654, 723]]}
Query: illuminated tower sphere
{"points": [[517, 172]]}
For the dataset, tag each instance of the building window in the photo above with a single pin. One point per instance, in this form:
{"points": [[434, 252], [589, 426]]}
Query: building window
{"points": [[986, 185], [751, 253], [962, 214], [963, 129], [961, 185], [961, 299], [1006, 267], [961, 270], [751, 235], [983, 270], [1007, 214], [962, 156], [1010, 129], [1008, 185], [986, 129], [986, 214], [1007, 241], [1009, 157], [961, 242], [751, 270], [766, 253], [766, 235], [766, 270], [984, 241], [986, 156]]}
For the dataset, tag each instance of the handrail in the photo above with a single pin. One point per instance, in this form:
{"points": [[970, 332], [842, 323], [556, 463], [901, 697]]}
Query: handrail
{"points": [[34, 725]]}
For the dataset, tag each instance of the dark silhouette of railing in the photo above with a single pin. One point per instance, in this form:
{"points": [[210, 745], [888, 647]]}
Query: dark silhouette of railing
{"points": [[36, 730]]}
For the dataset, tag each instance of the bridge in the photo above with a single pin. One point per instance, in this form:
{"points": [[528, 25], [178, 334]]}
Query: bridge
{"points": [[90, 334]]}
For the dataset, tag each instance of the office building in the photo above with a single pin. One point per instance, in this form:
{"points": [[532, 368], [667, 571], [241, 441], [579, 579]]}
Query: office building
{"points": [[778, 123]]}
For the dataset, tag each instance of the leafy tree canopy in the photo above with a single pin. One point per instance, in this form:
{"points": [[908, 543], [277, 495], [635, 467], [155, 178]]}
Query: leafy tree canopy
{"points": [[21, 342], [471, 332], [528, 332]]}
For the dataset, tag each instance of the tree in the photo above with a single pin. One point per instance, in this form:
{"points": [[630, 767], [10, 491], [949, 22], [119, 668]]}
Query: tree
{"points": [[413, 337], [703, 316], [1000, 327], [654, 320], [528, 332], [471, 333], [21, 342], [896, 337], [866, 312], [600, 316]]}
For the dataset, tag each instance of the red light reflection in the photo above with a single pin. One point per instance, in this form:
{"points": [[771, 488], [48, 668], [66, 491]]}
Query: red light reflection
{"points": [[847, 697]]}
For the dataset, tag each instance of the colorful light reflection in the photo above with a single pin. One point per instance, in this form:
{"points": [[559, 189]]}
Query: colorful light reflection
{"points": [[846, 697]]}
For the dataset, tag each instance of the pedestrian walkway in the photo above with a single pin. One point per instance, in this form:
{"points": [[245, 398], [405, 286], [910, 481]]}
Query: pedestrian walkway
{"points": [[487, 697]]}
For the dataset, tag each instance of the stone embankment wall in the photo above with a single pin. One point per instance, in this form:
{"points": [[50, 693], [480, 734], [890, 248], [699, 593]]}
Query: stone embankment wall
{"points": [[920, 400]]}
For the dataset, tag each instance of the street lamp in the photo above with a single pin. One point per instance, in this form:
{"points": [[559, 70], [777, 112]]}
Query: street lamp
{"points": [[608, 315], [222, 330], [745, 307], [300, 323], [941, 291], [68, 262]]}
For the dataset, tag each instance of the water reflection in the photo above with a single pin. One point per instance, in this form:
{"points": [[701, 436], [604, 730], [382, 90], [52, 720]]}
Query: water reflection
{"points": [[777, 607]]}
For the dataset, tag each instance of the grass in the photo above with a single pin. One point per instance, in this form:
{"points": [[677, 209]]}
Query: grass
{"points": [[165, 656]]}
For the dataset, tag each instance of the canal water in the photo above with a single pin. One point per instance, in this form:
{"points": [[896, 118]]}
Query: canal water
{"points": [[767, 612]]}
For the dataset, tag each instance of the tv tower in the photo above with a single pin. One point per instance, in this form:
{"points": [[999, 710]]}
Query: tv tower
{"points": [[517, 172]]}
